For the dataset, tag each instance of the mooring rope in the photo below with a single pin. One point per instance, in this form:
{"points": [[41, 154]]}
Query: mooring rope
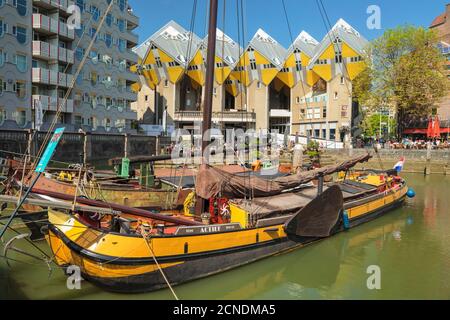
{"points": [[146, 239]]}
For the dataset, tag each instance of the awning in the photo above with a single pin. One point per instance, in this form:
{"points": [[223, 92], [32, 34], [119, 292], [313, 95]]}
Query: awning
{"points": [[424, 131]]}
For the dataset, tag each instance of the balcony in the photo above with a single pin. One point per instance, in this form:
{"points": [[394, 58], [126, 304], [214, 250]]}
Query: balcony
{"points": [[50, 77], [62, 5], [131, 37], [47, 25], [133, 20], [52, 103], [46, 51], [280, 113], [224, 116]]}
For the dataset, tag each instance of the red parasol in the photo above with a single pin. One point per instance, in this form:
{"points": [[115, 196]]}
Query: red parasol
{"points": [[430, 128], [437, 128]]}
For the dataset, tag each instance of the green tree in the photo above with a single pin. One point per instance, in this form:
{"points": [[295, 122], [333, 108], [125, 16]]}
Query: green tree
{"points": [[405, 73], [371, 126]]}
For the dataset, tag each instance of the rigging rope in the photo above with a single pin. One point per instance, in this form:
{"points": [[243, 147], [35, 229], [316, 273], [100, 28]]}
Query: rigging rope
{"points": [[329, 30]]}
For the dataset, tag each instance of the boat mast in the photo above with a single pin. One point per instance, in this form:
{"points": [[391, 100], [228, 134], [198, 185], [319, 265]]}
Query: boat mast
{"points": [[209, 86]]}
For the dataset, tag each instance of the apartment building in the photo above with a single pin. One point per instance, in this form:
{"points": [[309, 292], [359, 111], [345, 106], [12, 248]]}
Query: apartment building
{"points": [[305, 89], [15, 62], [442, 26], [43, 59]]}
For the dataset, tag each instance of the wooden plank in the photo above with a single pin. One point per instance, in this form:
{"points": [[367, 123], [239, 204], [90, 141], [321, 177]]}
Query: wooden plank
{"points": [[57, 205]]}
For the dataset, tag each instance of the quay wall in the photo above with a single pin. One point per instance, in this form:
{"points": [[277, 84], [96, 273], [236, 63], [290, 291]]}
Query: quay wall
{"points": [[416, 160]]}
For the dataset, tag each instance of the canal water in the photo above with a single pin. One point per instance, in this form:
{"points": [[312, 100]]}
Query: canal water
{"points": [[410, 246]]}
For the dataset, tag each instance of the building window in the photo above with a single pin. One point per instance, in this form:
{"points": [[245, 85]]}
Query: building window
{"points": [[21, 34], [81, 5], [122, 4], [297, 100], [78, 120], [2, 86], [338, 57], [317, 113], [109, 19], [324, 112], [298, 65], [121, 25], [108, 40], [258, 85], [95, 13], [94, 56], [356, 59], [1, 26], [80, 31], [21, 89], [21, 118], [316, 133], [324, 133], [336, 95], [21, 7], [332, 134], [79, 53], [94, 78], [158, 62], [1, 57], [21, 62], [253, 64], [122, 45], [344, 113], [92, 32], [108, 124], [166, 83]]}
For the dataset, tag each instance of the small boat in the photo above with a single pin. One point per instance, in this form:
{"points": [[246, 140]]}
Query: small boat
{"points": [[143, 255], [148, 192]]}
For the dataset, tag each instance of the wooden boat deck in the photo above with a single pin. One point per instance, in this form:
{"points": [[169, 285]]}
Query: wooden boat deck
{"points": [[293, 201]]}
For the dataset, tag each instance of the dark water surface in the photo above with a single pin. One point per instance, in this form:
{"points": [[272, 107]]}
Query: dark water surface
{"points": [[411, 246]]}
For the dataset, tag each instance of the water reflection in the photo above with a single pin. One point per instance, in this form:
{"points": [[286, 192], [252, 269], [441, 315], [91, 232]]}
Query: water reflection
{"points": [[410, 245]]}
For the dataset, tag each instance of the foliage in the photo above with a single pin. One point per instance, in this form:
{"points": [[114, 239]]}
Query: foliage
{"points": [[405, 72], [312, 150], [371, 125]]}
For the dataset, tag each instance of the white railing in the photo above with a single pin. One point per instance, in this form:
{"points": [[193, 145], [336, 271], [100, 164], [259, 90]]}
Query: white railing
{"points": [[53, 103], [281, 113], [50, 25], [61, 4], [224, 116], [47, 51], [50, 77]]}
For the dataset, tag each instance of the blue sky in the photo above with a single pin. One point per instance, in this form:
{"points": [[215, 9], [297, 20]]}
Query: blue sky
{"points": [[303, 15]]}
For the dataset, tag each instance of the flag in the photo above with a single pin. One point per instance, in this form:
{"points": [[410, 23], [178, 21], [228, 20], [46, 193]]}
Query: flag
{"points": [[399, 165]]}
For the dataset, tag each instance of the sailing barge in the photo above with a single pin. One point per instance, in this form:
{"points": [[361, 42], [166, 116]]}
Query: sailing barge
{"points": [[147, 191], [284, 215]]}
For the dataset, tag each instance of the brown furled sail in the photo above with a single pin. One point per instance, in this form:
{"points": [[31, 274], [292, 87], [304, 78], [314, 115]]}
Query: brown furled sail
{"points": [[212, 182], [318, 217]]}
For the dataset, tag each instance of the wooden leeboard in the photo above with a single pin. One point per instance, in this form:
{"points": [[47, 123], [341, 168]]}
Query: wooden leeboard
{"points": [[318, 217]]}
